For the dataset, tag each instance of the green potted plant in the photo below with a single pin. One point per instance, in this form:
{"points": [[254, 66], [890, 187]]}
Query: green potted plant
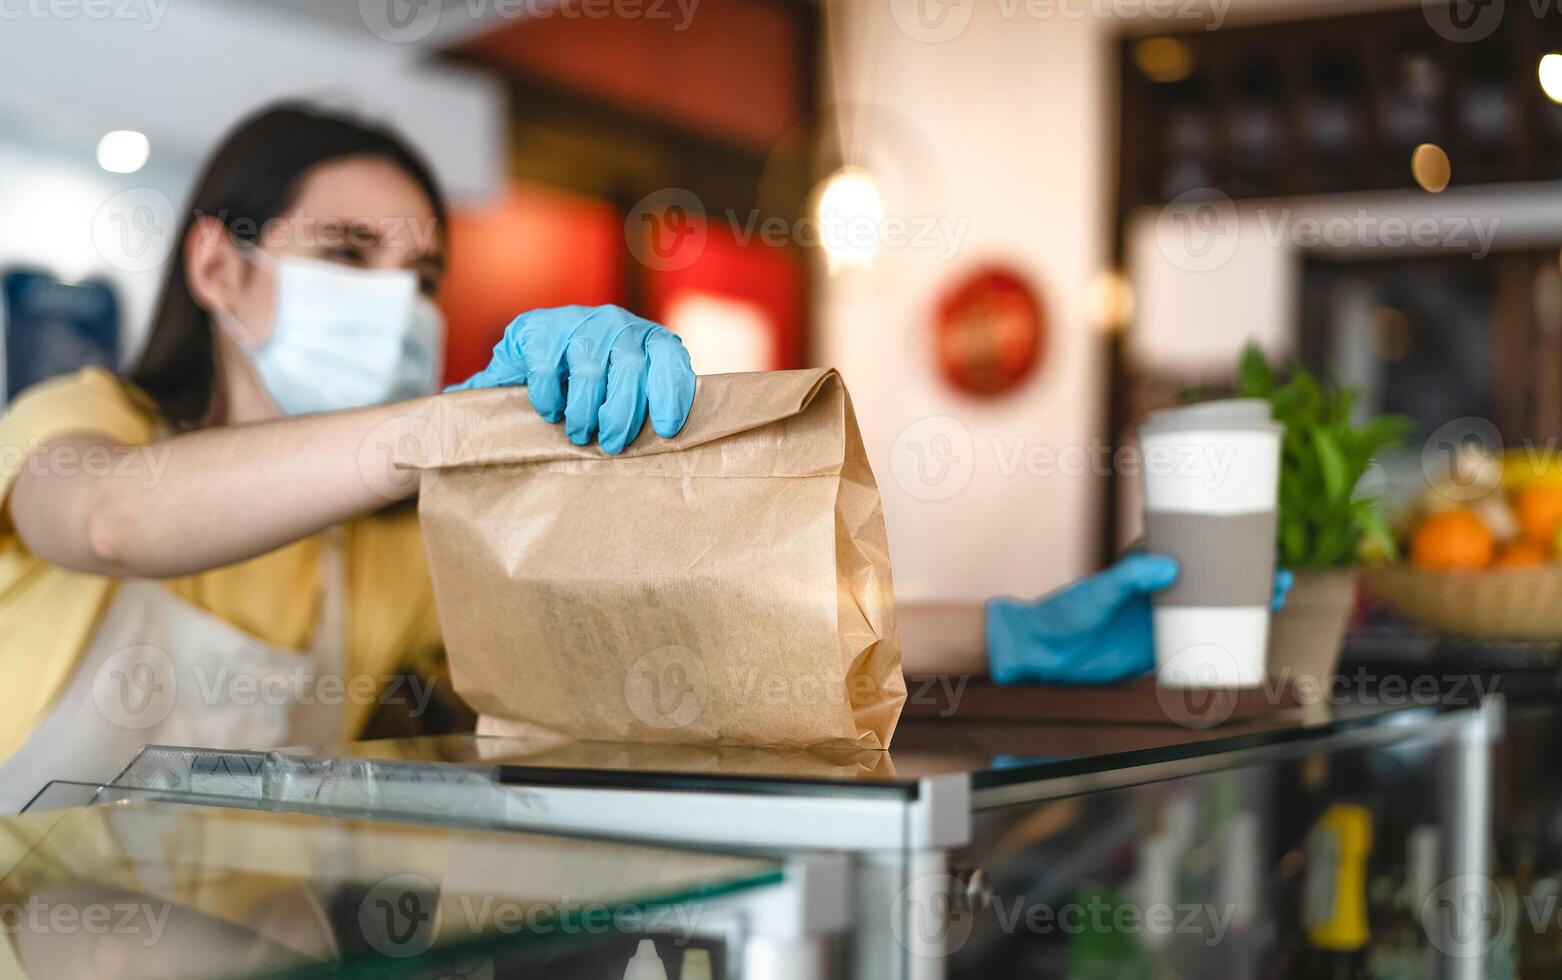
{"points": [[1323, 518]]}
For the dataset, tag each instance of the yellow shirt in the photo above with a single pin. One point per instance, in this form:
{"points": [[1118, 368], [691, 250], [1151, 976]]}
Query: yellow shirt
{"points": [[49, 614]]}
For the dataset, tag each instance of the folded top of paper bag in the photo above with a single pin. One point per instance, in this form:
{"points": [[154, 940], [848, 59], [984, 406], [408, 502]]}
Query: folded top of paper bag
{"points": [[498, 425]]}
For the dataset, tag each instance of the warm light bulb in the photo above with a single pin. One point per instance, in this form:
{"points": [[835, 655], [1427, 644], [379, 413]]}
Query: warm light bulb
{"points": [[1551, 76], [124, 151], [1430, 167], [850, 214], [1163, 59], [1110, 299]]}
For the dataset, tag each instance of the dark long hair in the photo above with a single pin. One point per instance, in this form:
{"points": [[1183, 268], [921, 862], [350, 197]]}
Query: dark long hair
{"points": [[254, 176]]}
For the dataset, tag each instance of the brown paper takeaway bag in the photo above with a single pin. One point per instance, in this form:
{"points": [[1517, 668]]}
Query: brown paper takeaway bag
{"points": [[728, 585]]}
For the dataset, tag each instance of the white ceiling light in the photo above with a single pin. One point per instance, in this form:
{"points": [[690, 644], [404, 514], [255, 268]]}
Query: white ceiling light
{"points": [[850, 214], [1551, 76], [124, 151]]}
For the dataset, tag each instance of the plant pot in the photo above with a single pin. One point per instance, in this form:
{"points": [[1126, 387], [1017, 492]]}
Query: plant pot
{"points": [[1306, 636]]}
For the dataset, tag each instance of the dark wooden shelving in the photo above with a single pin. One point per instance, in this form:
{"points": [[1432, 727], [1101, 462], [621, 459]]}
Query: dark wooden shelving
{"points": [[1338, 104]]}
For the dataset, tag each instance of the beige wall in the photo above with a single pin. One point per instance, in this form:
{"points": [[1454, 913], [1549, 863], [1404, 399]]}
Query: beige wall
{"points": [[1002, 131]]}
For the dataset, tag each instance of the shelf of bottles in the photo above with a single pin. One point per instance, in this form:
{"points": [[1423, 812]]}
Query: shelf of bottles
{"points": [[1328, 867]]}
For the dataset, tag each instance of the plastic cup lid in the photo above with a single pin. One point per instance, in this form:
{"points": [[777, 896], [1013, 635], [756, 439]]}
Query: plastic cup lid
{"points": [[1226, 415]]}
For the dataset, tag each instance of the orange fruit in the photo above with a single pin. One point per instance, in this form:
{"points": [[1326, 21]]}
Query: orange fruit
{"points": [[1539, 510], [1450, 540], [1521, 554]]}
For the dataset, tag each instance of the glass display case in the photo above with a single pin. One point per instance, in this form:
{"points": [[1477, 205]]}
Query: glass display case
{"points": [[136, 887], [1320, 864], [1299, 842], [1526, 846]]}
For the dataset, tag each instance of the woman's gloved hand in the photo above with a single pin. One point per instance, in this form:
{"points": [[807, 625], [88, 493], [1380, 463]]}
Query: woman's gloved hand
{"points": [[599, 368], [1096, 631]]}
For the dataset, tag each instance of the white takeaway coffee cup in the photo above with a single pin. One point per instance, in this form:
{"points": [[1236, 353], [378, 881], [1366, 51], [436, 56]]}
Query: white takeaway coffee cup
{"points": [[1211, 482]]}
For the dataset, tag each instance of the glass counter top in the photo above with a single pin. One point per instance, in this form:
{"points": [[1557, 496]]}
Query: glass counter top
{"points": [[174, 890], [997, 752]]}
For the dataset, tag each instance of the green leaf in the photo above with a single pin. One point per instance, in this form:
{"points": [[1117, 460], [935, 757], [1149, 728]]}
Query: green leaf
{"points": [[1293, 543], [1337, 483], [1343, 405], [1369, 519], [1255, 379], [1323, 457]]}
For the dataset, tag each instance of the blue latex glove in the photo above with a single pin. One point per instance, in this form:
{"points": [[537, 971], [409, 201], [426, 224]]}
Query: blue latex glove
{"points": [[1096, 631], [599, 368]]}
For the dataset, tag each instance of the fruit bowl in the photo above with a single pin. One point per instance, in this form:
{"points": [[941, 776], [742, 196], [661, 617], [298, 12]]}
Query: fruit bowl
{"points": [[1523, 603]]}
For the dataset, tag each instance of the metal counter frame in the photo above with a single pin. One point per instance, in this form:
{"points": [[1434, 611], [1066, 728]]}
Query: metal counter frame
{"points": [[896, 837]]}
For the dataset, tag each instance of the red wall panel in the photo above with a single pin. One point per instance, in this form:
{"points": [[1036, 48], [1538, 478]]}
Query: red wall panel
{"points": [[770, 277], [539, 247]]}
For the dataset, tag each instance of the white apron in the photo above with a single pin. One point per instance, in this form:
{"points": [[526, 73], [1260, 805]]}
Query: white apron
{"points": [[162, 671]]}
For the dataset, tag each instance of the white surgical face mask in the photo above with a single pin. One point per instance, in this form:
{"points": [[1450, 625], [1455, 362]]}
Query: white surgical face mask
{"points": [[343, 337]]}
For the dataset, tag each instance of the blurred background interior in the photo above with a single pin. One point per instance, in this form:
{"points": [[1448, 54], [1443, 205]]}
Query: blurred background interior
{"points": [[1015, 158], [1023, 292], [1012, 162]]}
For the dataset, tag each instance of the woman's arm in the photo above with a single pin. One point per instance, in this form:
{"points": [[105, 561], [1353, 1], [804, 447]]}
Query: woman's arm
{"points": [[210, 498]]}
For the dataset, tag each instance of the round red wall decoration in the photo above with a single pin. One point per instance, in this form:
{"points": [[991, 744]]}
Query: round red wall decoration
{"points": [[990, 332]]}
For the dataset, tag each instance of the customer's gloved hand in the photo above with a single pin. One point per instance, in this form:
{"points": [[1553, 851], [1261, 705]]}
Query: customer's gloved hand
{"points": [[1096, 631], [599, 368]]}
